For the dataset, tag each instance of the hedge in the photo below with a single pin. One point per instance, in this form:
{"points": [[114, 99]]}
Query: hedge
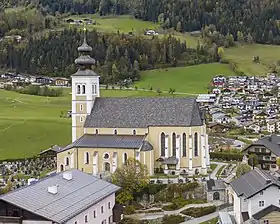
{"points": [[226, 156], [199, 211], [178, 203]]}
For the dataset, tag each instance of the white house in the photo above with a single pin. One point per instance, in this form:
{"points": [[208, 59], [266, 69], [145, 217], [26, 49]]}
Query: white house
{"points": [[256, 196], [70, 197]]}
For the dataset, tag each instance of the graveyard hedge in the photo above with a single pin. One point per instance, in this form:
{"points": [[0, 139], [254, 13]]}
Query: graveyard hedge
{"points": [[199, 211], [226, 156], [23, 159]]}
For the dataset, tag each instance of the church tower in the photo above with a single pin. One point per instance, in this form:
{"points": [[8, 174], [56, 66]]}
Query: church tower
{"points": [[85, 87]]}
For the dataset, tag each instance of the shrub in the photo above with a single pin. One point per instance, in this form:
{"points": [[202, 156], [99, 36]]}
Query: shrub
{"points": [[179, 202], [128, 210], [172, 219], [129, 221], [199, 211], [226, 156]]}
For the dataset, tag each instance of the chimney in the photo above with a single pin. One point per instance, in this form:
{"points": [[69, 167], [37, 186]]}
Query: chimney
{"points": [[52, 189], [67, 175]]}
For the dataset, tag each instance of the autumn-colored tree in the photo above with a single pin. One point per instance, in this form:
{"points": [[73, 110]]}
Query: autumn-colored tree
{"points": [[132, 177], [242, 169]]}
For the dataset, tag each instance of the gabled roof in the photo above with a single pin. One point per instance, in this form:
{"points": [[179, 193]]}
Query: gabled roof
{"points": [[73, 196], [271, 142], [142, 112], [111, 141], [266, 211], [253, 182]]}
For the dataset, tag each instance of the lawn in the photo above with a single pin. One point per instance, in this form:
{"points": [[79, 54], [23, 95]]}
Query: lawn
{"points": [[220, 170], [190, 79], [29, 124], [115, 23], [242, 55]]}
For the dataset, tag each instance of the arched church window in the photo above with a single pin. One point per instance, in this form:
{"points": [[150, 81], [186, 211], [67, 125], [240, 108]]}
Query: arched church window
{"points": [[115, 131], [184, 145], [67, 161], [94, 89], [195, 144], [162, 144], [174, 144], [124, 158], [86, 158], [134, 132], [84, 89], [78, 89]]}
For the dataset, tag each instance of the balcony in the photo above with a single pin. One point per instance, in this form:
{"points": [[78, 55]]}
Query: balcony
{"points": [[259, 153]]}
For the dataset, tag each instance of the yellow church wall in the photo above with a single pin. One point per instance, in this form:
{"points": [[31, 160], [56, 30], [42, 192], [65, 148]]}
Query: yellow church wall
{"points": [[81, 109], [61, 159], [154, 139], [120, 131], [79, 131]]}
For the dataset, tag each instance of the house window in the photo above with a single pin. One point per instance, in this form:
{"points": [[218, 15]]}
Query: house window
{"points": [[115, 131], [102, 209], [81, 107], [263, 150], [261, 203], [110, 219], [184, 145], [124, 158], [134, 132], [96, 131], [174, 144], [279, 201], [257, 149], [104, 221], [76, 222], [266, 221], [109, 205], [245, 199], [83, 89], [94, 214], [78, 89], [86, 158], [261, 193], [86, 219], [195, 144], [162, 144]]}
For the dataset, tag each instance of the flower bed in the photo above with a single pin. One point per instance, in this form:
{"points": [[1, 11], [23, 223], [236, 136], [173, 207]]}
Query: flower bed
{"points": [[199, 211]]}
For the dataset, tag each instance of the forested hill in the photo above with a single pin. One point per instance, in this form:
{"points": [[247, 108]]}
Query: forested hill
{"points": [[260, 18], [118, 56]]}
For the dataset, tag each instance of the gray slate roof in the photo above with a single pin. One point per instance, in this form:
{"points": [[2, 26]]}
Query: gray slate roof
{"points": [[141, 112], [171, 161], [266, 211], [213, 185], [111, 141], [73, 197], [253, 182], [271, 142]]}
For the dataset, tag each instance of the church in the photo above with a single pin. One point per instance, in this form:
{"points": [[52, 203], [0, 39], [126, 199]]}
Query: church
{"points": [[163, 133]]}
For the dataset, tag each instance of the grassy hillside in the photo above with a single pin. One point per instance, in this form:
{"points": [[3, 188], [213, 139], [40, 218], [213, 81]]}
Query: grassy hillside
{"points": [[243, 55], [191, 79], [29, 124], [125, 24]]}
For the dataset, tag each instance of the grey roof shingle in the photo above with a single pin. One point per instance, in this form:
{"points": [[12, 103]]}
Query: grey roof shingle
{"points": [[253, 182], [271, 142], [86, 72], [213, 185], [73, 197], [141, 112], [266, 211], [111, 141]]}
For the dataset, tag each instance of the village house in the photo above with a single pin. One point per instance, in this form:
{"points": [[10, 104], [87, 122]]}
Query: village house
{"points": [[267, 149], [60, 81], [255, 197], [69, 197]]}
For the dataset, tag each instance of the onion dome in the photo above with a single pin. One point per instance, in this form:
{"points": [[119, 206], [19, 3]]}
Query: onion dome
{"points": [[84, 60], [85, 47]]}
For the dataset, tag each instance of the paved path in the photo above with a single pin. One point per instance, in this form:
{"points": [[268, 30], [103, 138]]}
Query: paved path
{"points": [[219, 165]]}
